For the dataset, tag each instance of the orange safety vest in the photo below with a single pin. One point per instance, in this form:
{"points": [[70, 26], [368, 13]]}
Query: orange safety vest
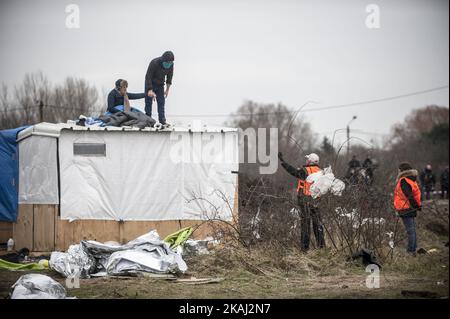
{"points": [[401, 202], [303, 184]]}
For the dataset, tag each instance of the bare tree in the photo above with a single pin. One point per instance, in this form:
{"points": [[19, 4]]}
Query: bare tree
{"points": [[36, 100], [423, 138], [295, 137]]}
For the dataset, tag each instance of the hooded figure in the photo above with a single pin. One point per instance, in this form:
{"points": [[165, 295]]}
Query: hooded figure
{"points": [[159, 74], [407, 201], [118, 96], [427, 181]]}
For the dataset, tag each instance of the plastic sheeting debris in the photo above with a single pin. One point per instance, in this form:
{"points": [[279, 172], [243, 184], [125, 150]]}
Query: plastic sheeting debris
{"points": [[179, 237], [356, 219], [199, 247], [137, 260], [36, 286], [391, 239], [254, 224], [146, 253], [16, 266], [324, 182], [76, 262]]}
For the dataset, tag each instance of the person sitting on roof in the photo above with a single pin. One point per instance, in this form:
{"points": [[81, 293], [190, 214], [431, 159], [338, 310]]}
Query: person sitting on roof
{"points": [[118, 98]]}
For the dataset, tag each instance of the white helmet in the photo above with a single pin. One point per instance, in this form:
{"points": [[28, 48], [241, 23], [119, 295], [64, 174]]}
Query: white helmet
{"points": [[312, 158]]}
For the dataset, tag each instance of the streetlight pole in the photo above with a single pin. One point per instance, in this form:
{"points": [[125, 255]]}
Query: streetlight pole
{"points": [[348, 133]]}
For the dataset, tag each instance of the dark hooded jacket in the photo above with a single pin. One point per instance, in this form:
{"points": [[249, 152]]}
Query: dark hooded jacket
{"points": [[158, 75], [427, 178], [114, 98]]}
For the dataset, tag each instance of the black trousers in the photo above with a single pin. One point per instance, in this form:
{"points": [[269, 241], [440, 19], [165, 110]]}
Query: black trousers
{"points": [[310, 214]]}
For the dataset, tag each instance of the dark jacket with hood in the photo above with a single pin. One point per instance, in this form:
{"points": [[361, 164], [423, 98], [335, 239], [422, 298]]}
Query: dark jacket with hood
{"points": [[427, 178], [157, 74], [114, 98]]}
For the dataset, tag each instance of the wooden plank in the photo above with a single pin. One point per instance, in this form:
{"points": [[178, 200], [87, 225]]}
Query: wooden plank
{"points": [[6, 231], [107, 230], [44, 227], [64, 234], [55, 235], [99, 230], [23, 227], [70, 233]]}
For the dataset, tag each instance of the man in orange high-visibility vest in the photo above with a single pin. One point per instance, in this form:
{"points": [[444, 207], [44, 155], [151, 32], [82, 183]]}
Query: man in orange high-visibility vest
{"points": [[407, 201], [309, 211]]}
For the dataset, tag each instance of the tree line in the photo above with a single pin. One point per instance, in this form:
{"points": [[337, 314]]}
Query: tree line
{"points": [[36, 100]]}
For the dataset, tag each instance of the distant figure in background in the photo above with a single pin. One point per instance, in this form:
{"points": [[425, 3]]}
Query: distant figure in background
{"points": [[118, 98], [354, 167], [309, 211], [354, 162], [427, 181], [444, 184], [368, 166], [407, 201], [159, 72]]}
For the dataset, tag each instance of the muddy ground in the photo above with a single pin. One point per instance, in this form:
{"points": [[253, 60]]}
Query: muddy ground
{"points": [[245, 284], [256, 274]]}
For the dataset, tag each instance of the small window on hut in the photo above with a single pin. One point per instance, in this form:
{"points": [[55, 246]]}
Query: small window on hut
{"points": [[89, 149]]}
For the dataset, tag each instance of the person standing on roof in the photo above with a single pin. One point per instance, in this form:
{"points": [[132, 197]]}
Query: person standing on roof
{"points": [[118, 98], [159, 72], [407, 201], [308, 206]]}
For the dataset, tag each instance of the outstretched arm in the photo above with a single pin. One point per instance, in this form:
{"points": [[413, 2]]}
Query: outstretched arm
{"points": [[136, 96], [296, 172]]}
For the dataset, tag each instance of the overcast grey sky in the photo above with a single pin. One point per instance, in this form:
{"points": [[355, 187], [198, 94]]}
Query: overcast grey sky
{"points": [[230, 51]]}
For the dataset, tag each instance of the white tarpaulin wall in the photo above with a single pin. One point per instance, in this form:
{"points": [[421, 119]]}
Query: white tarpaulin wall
{"points": [[38, 174], [146, 176]]}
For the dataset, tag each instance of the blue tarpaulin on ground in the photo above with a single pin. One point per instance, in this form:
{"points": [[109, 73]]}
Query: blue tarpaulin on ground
{"points": [[9, 174]]}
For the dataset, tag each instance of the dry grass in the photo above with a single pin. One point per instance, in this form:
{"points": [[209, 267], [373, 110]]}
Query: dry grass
{"points": [[272, 270]]}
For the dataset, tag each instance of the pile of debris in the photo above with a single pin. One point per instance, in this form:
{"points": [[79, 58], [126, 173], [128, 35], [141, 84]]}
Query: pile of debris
{"points": [[133, 119], [144, 256], [36, 286], [147, 253]]}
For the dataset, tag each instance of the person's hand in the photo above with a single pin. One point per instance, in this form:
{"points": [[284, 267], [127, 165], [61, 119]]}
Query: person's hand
{"points": [[151, 94], [123, 91], [280, 156], [166, 93]]}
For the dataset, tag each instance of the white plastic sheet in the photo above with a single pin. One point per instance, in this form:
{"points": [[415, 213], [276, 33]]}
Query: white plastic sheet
{"points": [[75, 263], [324, 182], [37, 286], [38, 178], [138, 178], [146, 253]]}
